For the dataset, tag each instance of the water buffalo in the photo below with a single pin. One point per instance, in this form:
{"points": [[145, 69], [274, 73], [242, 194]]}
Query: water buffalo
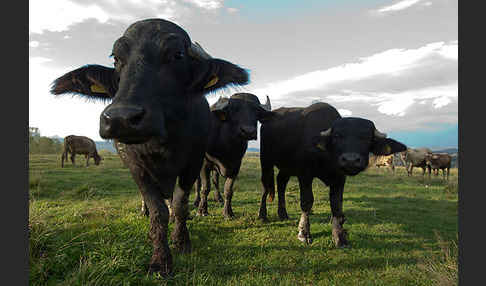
{"points": [[414, 158], [438, 161], [233, 123], [159, 112], [316, 142], [80, 145]]}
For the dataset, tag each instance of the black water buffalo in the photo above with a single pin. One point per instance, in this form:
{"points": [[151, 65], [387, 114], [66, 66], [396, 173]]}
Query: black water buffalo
{"points": [[438, 161], [159, 112], [414, 158], [79, 145], [234, 122], [316, 142]]}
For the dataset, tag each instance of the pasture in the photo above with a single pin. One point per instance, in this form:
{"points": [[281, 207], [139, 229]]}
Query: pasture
{"points": [[85, 228]]}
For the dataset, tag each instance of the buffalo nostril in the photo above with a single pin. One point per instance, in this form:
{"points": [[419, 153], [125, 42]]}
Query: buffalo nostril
{"points": [[136, 118]]}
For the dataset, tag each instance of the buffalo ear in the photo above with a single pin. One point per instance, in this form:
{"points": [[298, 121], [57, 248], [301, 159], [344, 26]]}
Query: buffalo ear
{"points": [[212, 74], [387, 146], [91, 81]]}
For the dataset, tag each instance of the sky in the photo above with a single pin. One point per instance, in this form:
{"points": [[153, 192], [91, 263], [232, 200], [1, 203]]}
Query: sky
{"points": [[392, 62]]}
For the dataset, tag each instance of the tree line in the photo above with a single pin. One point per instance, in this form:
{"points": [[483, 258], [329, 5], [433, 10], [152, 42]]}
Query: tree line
{"points": [[43, 145]]}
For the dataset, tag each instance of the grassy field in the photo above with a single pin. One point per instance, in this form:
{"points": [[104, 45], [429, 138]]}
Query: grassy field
{"points": [[86, 229]]}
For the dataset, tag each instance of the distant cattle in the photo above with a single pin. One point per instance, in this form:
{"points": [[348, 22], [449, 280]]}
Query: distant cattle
{"points": [[436, 161], [79, 145], [316, 142], [159, 111], [233, 123], [383, 161], [414, 158]]}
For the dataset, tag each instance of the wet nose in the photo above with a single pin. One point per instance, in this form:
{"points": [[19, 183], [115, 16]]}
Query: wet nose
{"points": [[249, 132], [120, 120], [350, 159]]}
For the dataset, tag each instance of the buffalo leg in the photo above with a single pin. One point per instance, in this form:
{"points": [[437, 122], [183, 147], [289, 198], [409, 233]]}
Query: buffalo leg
{"points": [[197, 192], [228, 195], [180, 206], [206, 188], [87, 160], [161, 260], [268, 188], [217, 194], [339, 234], [282, 180], [72, 159], [144, 210], [306, 202]]}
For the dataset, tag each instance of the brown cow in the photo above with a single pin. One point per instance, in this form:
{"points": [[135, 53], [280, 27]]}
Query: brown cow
{"points": [[80, 145], [438, 161]]}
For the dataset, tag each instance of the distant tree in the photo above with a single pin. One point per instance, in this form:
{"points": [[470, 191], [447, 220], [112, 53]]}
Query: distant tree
{"points": [[42, 145]]}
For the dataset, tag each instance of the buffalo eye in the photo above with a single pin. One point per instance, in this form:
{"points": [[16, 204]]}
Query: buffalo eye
{"points": [[179, 55]]}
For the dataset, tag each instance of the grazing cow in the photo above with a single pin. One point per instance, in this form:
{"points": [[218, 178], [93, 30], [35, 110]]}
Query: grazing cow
{"points": [[233, 123], [316, 142], [159, 112], [414, 158], [383, 161], [80, 145], [438, 161]]}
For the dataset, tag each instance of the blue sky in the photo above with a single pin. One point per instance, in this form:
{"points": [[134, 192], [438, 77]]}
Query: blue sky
{"points": [[391, 61]]}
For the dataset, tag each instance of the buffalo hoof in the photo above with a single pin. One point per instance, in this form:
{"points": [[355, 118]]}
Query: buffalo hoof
{"points": [[339, 237], [163, 270], [307, 239], [145, 213], [263, 219], [202, 213], [282, 214], [228, 214]]}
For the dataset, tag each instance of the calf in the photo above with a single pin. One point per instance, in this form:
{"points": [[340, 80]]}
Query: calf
{"points": [[160, 115], [80, 145], [438, 161], [316, 142], [233, 123]]}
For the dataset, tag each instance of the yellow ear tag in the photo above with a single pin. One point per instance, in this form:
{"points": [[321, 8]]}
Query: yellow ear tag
{"points": [[212, 82], [320, 146], [98, 88], [388, 149]]}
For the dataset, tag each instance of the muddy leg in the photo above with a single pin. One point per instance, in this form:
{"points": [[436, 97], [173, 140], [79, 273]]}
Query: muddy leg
{"points": [[339, 234], [268, 188], [159, 218], [180, 205], [197, 192], [282, 180], [206, 188], [306, 202], [228, 195], [215, 179]]}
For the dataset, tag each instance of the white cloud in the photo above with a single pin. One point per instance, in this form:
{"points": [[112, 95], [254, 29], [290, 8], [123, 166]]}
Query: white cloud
{"points": [[57, 15], [206, 4], [392, 62], [232, 10], [345, 112], [398, 6], [33, 44]]}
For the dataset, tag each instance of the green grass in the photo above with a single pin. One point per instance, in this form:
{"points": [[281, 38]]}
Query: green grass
{"points": [[86, 229]]}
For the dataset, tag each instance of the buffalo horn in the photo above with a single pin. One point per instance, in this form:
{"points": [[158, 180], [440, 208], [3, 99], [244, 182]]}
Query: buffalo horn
{"points": [[379, 135], [267, 106], [326, 133]]}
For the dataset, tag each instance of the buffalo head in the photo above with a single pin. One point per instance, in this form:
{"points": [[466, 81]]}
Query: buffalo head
{"points": [[241, 112], [157, 72], [350, 140]]}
